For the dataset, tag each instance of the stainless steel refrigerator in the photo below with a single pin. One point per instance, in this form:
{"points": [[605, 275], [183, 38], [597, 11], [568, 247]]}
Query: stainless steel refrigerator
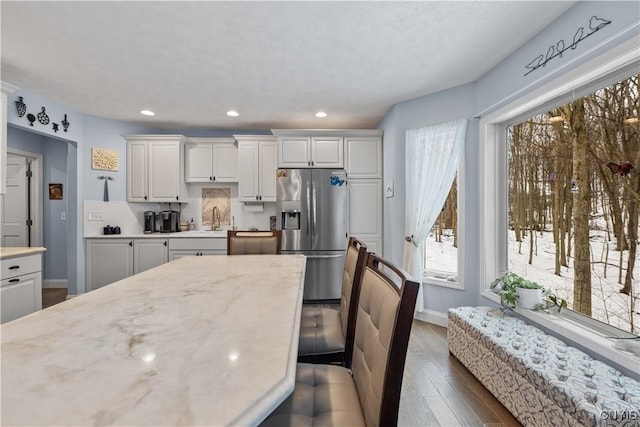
{"points": [[311, 209]]}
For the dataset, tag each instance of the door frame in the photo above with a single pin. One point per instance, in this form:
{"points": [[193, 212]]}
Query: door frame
{"points": [[36, 194]]}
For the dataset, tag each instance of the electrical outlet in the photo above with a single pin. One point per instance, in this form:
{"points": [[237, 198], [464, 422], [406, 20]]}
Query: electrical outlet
{"points": [[96, 216], [388, 188], [63, 216]]}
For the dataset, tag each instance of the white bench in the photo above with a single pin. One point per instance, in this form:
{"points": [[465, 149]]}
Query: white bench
{"points": [[537, 377]]}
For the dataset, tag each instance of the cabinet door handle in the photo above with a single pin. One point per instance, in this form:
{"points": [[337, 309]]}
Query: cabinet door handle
{"points": [[14, 267], [14, 280], [177, 197], [145, 197], [210, 178], [165, 243], [131, 243], [214, 178]]}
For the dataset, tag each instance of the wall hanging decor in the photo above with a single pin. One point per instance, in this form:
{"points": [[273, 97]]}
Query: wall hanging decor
{"points": [[55, 191], [31, 119], [65, 123], [104, 159], [105, 194], [21, 106], [55, 127], [43, 118], [557, 49]]}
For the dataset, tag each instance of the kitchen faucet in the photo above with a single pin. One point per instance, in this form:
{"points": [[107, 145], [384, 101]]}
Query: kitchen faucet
{"points": [[215, 217]]}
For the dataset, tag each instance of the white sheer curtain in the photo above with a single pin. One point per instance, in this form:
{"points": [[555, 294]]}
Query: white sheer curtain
{"points": [[431, 161]]}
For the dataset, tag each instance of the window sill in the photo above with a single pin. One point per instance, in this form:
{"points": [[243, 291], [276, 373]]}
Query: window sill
{"points": [[436, 281], [582, 335]]}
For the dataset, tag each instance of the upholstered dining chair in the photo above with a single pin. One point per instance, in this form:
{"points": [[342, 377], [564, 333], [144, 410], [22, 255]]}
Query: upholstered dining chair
{"points": [[326, 335], [254, 242], [369, 394]]}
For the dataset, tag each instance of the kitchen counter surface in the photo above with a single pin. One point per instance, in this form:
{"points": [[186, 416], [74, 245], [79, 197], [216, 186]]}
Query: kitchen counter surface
{"points": [[209, 340], [6, 253], [181, 234]]}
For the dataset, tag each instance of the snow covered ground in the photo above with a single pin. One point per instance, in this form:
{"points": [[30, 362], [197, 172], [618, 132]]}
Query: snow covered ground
{"points": [[608, 304]]}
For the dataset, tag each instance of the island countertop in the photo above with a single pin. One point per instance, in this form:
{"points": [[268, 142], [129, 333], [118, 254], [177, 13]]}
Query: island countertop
{"points": [[207, 340]]}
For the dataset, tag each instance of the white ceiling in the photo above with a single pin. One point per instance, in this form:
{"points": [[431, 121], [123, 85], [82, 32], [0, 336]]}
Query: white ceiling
{"points": [[276, 63]]}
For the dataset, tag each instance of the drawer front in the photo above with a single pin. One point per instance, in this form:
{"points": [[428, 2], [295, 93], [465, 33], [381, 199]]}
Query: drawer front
{"points": [[198, 244], [179, 253], [22, 265]]}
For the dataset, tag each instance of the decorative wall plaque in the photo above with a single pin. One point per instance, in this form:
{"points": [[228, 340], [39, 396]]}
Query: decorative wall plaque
{"points": [[104, 159]]}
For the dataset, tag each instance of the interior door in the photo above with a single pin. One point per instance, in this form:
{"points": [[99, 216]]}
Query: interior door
{"points": [[14, 203]]}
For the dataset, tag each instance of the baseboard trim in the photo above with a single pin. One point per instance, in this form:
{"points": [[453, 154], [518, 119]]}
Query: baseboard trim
{"points": [[431, 316], [55, 283]]}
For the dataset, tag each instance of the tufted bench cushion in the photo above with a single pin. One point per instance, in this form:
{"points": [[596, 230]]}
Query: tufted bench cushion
{"points": [[537, 377]]}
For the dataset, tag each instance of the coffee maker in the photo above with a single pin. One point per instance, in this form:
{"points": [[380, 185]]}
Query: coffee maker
{"points": [[150, 222], [169, 221]]}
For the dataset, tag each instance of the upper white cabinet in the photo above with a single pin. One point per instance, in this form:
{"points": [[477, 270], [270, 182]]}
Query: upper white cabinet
{"points": [[310, 152], [155, 168], [364, 156], [211, 160], [256, 168]]}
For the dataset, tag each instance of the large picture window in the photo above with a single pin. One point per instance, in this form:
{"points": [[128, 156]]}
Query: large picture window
{"points": [[573, 207]]}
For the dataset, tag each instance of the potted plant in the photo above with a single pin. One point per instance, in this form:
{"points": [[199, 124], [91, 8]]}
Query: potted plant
{"points": [[518, 291]]}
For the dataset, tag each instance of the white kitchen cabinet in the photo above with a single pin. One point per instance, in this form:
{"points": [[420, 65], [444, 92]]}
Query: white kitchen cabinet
{"points": [[314, 152], [21, 287], [108, 260], [149, 253], [363, 156], [211, 160], [365, 211], [180, 247], [256, 168], [155, 168]]}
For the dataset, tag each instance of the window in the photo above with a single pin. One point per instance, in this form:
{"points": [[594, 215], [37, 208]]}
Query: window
{"points": [[574, 202], [440, 251]]}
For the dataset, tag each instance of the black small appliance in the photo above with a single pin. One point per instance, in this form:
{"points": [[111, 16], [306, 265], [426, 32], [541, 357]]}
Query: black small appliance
{"points": [[169, 221], [149, 222]]}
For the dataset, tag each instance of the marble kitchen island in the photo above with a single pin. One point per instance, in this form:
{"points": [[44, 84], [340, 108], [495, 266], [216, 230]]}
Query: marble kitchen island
{"points": [[208, 340]]}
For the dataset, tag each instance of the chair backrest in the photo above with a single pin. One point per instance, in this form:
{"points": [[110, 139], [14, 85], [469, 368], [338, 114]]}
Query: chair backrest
{"points": [[353, 266], [254, 242], [383, 325]]}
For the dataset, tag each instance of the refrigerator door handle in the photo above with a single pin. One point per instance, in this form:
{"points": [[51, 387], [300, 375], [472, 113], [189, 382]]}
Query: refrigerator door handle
{"points": [[315, 208], [308, 209]]}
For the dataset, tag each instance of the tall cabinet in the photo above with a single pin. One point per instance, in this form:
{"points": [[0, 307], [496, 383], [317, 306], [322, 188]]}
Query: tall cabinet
{"points": [[155, 168]]}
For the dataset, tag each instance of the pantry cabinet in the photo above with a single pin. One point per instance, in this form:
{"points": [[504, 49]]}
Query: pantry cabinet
{"points": [[310, 152], [365, 211], [256, 168], [363, 156], [20, 287], [155, 168], [211, 160]]}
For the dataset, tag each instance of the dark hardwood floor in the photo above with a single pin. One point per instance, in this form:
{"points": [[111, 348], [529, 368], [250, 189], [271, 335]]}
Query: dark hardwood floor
{"points": [[437, 390], [52, 296]]}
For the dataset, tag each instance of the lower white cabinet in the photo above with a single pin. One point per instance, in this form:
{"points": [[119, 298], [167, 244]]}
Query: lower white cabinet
{"points": [[365, 212], [110, 260], [21, 287], [196, 247]]}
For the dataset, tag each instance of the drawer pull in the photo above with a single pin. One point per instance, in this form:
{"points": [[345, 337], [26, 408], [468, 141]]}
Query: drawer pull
{"points": [[14, 280], [14, 267]]}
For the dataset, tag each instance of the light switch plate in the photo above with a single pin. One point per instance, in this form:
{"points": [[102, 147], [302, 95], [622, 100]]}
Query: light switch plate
{"points": [[388, 188], [63, 216]]}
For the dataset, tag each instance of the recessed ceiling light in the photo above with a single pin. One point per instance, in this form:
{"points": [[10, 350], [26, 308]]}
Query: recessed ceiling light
{"points": [[556, 119], [321, 114], [631, 120], [233, 113], [147, 113]]}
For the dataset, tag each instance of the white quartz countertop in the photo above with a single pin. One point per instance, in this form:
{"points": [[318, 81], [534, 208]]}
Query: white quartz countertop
{"points": [[207, 340], [6, 253], [182, 234]]}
